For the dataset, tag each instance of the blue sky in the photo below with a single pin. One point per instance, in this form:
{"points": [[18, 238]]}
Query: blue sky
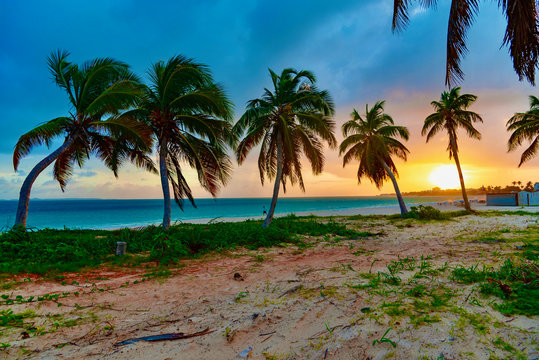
{"points": [[347, 44]]}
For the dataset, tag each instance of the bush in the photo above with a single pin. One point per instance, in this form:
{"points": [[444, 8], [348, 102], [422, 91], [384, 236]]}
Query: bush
{"points": [[423, 212]]}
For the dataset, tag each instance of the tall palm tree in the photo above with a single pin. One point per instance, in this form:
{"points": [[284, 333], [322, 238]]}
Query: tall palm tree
{"points": [[525, 127], [97, 91], [191, 119], [291, 120], [521, 34], [451, 113], [372, 141]]}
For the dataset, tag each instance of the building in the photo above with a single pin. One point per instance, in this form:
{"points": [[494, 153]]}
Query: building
{"points": [[521, 198]]}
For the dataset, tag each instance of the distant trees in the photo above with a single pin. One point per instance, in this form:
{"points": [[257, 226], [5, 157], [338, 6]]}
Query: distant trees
{"points": [[525, 127], [372, 141], [97, 92], [451, 113], [291, 120], [521, 34], [191, 119]]}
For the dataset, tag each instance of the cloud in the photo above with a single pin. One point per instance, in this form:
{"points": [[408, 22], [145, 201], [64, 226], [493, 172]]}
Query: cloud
{"points": [[348, 44], [86, 173]]}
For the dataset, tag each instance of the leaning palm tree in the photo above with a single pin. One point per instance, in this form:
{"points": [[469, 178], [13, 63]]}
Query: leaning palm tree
{"points": [[372, 141], [521, 34], [97, 91], [292, 120], [451, 113], [525, 127], [191, 119]]}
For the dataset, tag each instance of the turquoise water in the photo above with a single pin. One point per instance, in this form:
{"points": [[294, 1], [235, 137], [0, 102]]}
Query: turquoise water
{"points": [[106, 214]]}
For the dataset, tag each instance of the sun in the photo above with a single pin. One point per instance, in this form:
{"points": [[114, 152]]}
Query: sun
{"points": [[445, 177]]}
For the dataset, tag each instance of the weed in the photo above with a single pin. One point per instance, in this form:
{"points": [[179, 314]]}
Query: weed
{"points": [[384, 339], [241, 295]]}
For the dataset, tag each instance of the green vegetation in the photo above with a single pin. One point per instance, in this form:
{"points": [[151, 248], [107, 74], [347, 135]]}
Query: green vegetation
{"points": [[292, 120], [451, 113], [515, 282], [373, 141], [425, 213], [69, 250], [384, 339], [525, 127], [97, 90], [191, 119], [521, 35]]}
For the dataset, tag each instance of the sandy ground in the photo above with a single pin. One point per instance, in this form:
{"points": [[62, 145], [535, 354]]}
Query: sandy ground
{"points": [[381, 210], [289, 303]]}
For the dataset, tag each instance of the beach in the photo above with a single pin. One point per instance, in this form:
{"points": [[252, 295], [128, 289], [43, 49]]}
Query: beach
{"points": [[311, 302], [379, 210]]}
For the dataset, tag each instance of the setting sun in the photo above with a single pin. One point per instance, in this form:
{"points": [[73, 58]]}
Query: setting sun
{"points": [[445, 177]]}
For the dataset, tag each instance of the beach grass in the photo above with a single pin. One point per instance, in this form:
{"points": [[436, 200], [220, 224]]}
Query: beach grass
{"points": [[43, 251]]}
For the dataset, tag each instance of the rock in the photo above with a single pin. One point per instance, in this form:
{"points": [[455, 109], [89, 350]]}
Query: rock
{"points": [[238, 277]]}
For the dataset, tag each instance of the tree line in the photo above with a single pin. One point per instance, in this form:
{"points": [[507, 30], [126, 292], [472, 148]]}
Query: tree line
{"points": [[187, 118]]}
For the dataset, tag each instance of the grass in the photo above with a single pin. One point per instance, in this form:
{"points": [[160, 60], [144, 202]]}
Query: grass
{"points": [[515, 282], [43, 251]]}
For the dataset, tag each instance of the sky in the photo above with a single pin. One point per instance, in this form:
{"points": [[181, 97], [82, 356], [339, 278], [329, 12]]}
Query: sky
{"points": [[348, 44]]}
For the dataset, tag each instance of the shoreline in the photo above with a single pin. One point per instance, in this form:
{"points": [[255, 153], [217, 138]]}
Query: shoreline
{"points": [[366, 211]]}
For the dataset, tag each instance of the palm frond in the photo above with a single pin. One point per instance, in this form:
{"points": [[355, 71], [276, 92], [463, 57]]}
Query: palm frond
{"points": [[522, 36], [461, 16], [42, 134]]}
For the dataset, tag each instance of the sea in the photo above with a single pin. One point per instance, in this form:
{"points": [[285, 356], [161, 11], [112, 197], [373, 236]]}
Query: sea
{"points": [[112, 214]]}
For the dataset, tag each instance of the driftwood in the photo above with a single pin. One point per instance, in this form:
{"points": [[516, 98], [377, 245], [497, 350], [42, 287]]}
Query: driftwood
{"points": [[162, 337]]}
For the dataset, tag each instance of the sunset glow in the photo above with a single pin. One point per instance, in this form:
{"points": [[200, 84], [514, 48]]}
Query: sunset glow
{"points": [[445, 177]]}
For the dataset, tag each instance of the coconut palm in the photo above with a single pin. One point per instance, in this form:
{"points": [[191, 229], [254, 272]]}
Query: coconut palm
{"points": [[190, 117], [525, 127], [291, 120], [372, 141], [97, 91], [451, 113], [521, 34]]}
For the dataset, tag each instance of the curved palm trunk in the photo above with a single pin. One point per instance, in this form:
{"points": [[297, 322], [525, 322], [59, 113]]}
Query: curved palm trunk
{"points": [[461, 177], [402, 205], [277, 185], [163, 171], [24, 196]]}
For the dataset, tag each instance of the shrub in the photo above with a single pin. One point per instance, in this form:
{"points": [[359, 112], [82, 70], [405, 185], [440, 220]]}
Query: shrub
{"points": [[423, 212]]}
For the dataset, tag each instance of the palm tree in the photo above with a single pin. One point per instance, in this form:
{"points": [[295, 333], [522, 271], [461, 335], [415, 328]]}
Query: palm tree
{"points": [[190, 117], [525, 126], [371, 140], [292, 120], [97, 90], [521, 34], [451, 113]]}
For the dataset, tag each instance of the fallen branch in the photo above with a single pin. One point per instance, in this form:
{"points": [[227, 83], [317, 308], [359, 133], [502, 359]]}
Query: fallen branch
{"points": [[162, 337]]}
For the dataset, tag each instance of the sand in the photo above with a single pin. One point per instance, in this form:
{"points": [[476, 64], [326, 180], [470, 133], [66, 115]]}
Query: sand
{"points": [[380, 210], [289, 303]]}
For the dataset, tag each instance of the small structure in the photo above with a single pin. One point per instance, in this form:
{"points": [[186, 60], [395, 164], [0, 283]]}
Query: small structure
{"points": [[521, 198]]}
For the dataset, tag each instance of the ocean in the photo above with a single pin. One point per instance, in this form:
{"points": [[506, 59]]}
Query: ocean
{"points": [[110, 214]]}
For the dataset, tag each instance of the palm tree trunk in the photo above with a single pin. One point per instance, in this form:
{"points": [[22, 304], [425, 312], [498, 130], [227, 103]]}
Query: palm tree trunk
{"points": [[461, 177], [163, 171], [402, 205], [24, 196], [277, 185]]}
